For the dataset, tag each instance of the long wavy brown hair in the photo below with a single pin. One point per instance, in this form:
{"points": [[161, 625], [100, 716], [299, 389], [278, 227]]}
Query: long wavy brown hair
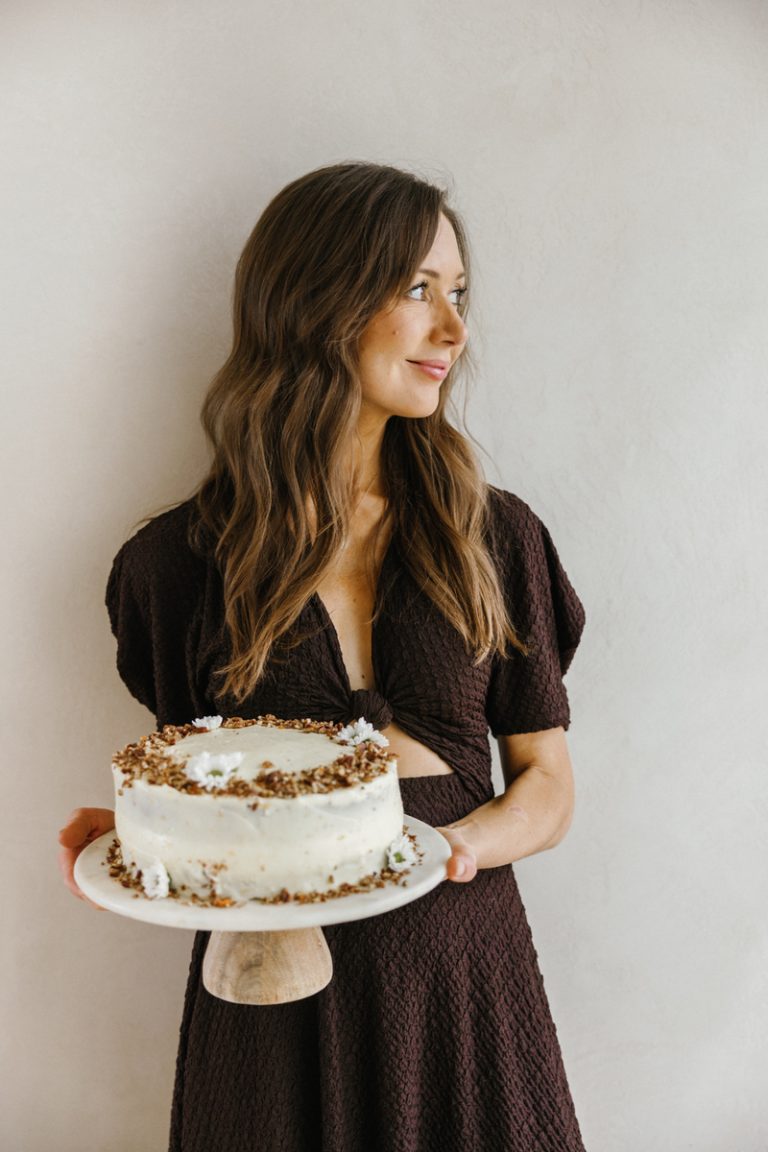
{"points": [[330, 251]]}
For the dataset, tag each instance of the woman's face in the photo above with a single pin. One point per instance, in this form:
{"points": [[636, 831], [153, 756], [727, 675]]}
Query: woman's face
{"points": [[406, 350]]}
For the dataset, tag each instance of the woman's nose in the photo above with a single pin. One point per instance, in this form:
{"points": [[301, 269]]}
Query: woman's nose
{"points": [[450, 324]]}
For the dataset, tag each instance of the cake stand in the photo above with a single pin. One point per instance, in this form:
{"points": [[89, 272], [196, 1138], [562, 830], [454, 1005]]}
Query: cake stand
{"points": [[265, 953]]}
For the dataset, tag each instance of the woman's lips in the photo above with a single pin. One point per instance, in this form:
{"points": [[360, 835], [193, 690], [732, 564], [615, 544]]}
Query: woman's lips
{"points": [[435, 369]]}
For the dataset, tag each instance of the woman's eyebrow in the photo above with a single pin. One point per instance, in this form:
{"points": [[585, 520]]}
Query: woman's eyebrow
{"points": [[436, 275]]}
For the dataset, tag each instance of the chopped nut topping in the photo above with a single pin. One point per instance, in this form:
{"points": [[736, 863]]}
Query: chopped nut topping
{"points": [[131, 878], [148, 759]]}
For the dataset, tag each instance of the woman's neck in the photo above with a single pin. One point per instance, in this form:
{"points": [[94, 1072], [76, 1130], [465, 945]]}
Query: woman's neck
{"points": [[366, 459]]}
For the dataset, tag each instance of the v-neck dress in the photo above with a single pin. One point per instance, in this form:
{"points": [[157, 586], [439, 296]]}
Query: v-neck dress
{"points": [[434, 1034]]}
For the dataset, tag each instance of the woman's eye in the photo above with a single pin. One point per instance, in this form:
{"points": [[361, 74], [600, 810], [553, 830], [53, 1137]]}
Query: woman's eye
{"points": [[418, 290]]}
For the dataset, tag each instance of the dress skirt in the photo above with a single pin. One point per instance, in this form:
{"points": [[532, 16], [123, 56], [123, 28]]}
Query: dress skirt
{"points": [[434, 1034]]}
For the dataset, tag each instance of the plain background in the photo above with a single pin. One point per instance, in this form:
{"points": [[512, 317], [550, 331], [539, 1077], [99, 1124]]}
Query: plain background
{"points": [[611, 161]]}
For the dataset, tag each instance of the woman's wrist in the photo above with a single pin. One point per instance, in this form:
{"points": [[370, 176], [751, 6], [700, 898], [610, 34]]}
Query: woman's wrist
{"points": [[493, 832], [501, 832]]}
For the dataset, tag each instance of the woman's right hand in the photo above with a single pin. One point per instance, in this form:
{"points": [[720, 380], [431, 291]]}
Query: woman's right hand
{"points": [[84, 826]]}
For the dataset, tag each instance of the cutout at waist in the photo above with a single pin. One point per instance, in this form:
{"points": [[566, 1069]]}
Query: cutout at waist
{"points": [[414, 759]]}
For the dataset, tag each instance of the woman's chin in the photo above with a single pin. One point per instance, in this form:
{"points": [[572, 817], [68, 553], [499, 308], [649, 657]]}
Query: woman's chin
{"points": [[409, 408], [420, 406]]}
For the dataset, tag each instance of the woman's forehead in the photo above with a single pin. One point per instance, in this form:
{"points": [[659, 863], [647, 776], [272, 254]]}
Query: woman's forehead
{"points": [[444, 257]]}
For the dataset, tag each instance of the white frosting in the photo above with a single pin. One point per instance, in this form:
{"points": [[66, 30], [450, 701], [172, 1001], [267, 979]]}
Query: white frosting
{"points": [[261, 748], [245, 847]]}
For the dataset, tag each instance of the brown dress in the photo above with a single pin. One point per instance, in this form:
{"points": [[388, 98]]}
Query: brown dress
{"points": [[435, 1032]]}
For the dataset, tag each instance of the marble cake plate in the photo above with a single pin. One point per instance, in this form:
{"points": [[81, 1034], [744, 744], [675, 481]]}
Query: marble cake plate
{"points": [[92, 875]]}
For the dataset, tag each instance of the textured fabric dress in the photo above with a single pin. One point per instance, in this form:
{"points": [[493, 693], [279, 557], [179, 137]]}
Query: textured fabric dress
{"points": [[434, 1034]]}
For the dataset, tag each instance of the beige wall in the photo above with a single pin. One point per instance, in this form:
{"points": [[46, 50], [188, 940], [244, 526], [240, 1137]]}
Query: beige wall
{"points": [[611, 160]]}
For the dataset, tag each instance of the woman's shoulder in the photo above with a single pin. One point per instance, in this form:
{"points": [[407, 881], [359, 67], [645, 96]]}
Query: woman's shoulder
{"points": [[510, 519], [155, 592], [532, 569], [506, 504], [162, 551]]}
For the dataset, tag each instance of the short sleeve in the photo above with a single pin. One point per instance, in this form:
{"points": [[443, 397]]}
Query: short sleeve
{"points": [[526, 693], [152, 593]]}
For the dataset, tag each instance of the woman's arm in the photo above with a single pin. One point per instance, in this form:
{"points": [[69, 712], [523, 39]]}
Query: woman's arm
{"points": [[533, 814]]}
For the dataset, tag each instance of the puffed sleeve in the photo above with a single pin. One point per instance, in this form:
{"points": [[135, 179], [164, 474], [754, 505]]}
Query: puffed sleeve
{"points": [[526, 693], [152, 595]]}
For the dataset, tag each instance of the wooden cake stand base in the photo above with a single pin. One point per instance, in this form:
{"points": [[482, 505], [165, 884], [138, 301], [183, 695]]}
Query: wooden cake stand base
{"points": [[267, 967]]}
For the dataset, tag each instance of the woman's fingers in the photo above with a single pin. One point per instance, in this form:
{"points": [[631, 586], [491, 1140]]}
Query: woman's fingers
{"points": [[83, 827], [462, 865]]}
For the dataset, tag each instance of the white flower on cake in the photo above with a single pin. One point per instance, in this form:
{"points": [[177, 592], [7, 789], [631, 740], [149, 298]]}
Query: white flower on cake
{"points": [[155, 881], [212, 771], [208, 723], [401, 854], [360, 731]]}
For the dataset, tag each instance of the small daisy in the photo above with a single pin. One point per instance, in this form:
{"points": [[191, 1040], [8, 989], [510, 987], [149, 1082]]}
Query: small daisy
{"points": [[361, 731]]}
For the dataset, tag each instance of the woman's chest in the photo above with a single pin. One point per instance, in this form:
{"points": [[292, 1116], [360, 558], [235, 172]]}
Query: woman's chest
{"points": [[353, 641], [349, 598]]}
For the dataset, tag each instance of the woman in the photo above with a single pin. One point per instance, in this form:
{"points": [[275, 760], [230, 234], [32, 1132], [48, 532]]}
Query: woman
{"points": [[344, 558]]}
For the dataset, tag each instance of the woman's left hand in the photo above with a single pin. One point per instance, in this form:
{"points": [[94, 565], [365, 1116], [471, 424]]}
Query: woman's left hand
{"points": [[462, 865]]}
